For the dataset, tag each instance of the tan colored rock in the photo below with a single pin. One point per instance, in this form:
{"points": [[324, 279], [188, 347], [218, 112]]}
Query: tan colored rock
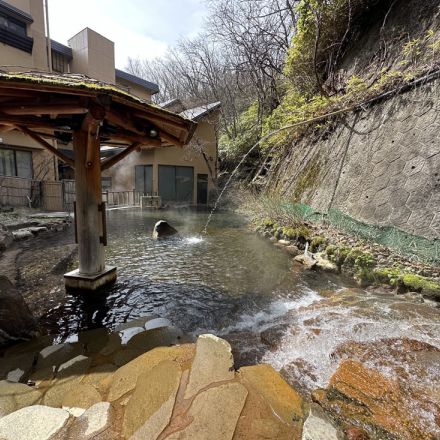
{"points": [[14, 396], [155, 389], [54, 394], [126, 355], [212, 363], [100, 377], [285, 402], [81, 396], [125, 378], [33, 423], [258, 422], [214, 414]]}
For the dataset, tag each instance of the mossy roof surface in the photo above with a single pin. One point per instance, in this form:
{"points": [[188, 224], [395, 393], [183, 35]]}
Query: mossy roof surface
{"points": [[78, 82]]}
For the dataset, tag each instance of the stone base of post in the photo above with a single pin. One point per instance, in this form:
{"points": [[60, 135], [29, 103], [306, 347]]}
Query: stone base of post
{"points": [[76, 281]]}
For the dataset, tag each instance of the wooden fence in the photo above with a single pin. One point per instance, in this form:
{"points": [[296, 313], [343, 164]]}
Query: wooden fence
{"points": [[54, 196]]}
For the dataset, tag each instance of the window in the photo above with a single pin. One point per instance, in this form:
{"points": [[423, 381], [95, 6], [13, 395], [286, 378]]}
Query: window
{"points": [[176, 183], [15, 163], [106, 183], [13, 25], [59, 62]]}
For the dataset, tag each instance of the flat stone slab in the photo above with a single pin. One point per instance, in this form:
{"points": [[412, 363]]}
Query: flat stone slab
{"points": [[33, 423], [285, 402], [155, 390], [81, 396], [214, 414], [125, 378], [212, 363]]}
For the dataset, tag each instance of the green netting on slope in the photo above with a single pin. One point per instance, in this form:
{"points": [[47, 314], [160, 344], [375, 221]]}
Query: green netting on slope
{"points": [[412, 246]]}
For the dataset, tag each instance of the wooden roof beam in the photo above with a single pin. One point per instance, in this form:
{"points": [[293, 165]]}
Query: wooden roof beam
{"points": [[43, 109], [107, 163], [45, 144]]}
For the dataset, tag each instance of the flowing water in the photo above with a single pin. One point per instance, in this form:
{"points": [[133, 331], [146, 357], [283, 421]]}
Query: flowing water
{"points": [[239, 286]]}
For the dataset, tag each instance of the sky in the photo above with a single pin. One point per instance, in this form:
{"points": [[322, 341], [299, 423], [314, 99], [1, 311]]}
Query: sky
{"points": [[139, 28]]}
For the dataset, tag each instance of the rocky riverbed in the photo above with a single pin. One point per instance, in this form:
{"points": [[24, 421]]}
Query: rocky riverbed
{"points": [[102, 387]]}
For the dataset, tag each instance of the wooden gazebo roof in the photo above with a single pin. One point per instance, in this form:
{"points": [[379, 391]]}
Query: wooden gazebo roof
{"points": [[46, 105]]}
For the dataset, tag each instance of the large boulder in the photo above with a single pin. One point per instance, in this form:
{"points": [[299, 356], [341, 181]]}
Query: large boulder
{"points": [[16, 320], [163, 229]]}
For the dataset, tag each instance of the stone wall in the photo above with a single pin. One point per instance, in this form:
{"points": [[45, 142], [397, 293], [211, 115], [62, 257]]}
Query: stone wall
{"points": [[380, 166]]}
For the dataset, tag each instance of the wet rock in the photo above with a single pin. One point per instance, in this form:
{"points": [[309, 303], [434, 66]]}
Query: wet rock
{"points": [[213, 362], [163, 229], [273, 335], [33, 423], [319, 427], [292, 250], [363, 396], [55, 355], [14, 396], [75, 367], [22, 234], [355, 433], [16, 368], [125, 378], [157, 337], [6, 238], [70, 252], [285, 402], [214, 413], [37, 229], [246, 348], [156, 390], [16, 320], [273, 239], [306, 260]]}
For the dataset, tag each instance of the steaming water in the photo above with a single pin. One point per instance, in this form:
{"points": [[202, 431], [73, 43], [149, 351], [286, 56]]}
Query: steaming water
{"points": [[240, 287]]}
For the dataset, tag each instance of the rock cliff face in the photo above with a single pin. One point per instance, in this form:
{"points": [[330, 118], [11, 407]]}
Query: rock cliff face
{"points": [[381, 165]]}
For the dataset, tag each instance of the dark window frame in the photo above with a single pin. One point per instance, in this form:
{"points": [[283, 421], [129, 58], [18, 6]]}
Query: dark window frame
{"points": [[9, 35], [15, 150]]}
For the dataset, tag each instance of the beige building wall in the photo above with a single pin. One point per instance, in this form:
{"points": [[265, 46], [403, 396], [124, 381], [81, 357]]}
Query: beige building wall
{"points": [[134, 89], [20, 60], [93, 55], [123, 174]]}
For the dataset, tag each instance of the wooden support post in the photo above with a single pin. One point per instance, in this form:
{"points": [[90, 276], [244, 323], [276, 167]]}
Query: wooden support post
{"points": [[88, 200], [92, 272]]}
